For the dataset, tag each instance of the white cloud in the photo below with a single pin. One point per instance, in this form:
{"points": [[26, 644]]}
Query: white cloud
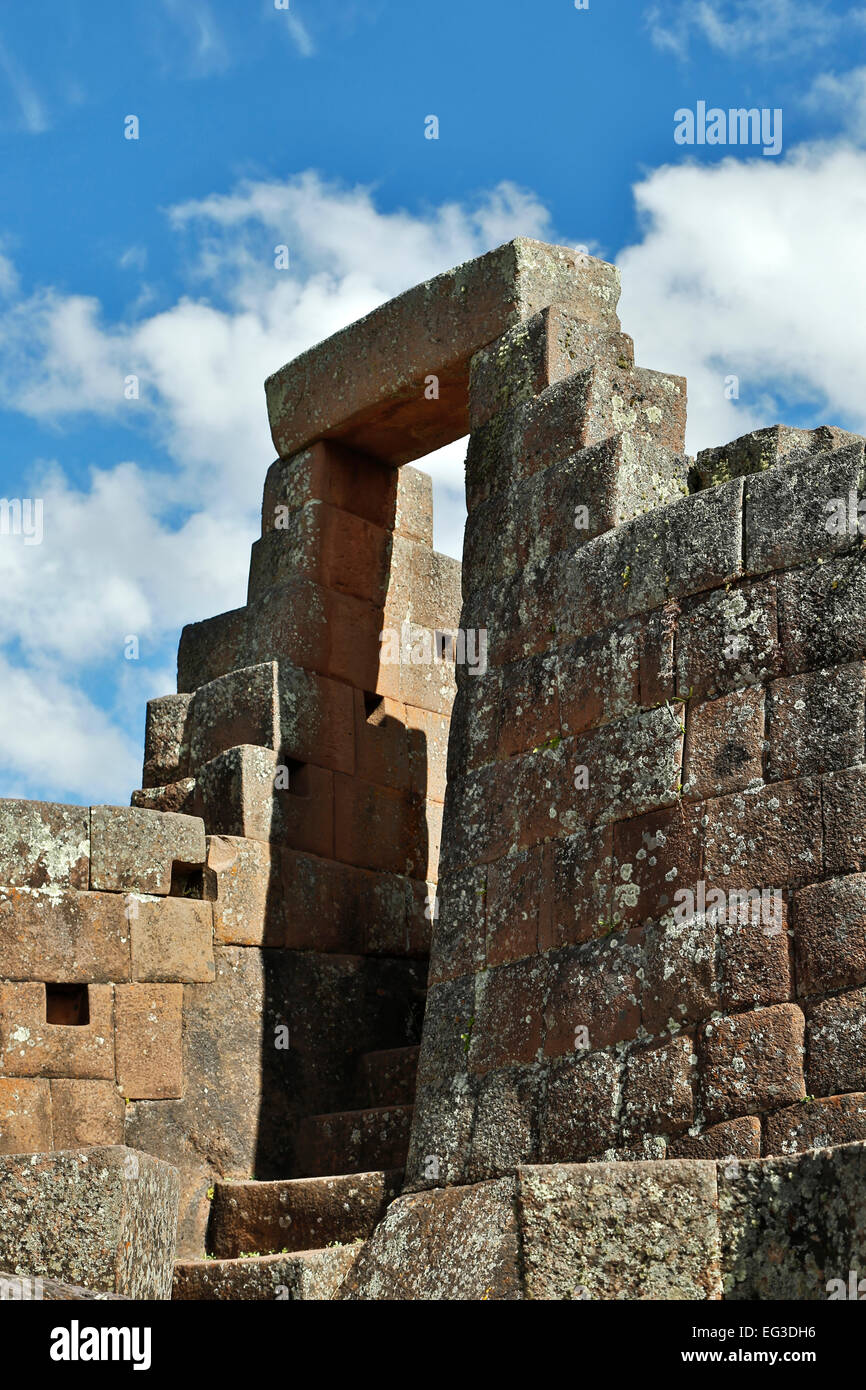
{"points": [[207, 51], [844, 97], [754, 271], [30, 108], [301, 36], [765, 29]]}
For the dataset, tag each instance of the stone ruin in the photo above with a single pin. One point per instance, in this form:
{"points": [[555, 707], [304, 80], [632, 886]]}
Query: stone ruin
{"points": [[620, 1050]]}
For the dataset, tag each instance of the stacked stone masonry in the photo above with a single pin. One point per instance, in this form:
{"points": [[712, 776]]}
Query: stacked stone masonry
{"points": [[645, 807]]}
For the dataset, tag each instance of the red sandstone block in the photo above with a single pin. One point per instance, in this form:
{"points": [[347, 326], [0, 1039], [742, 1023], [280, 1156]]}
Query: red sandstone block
{"points": [[529, 705], [367, 383], [381, 740], [31, 1045], [63, 936], [594, 997], [724, 744], [475, 723], [235, 709], [581, 886], [44, 845], [316, 719], [755, 957], [579, 1119], [658, 1093], [148, 1044], [211, 648], [653, 857], [325, 906], [542, 796], [731, 1139], [830, 935], [134, 851], [751, 1062], [86, 1113], [509, 1015], [179, 797], [728, 640], [25, 1116], [396, 915], [681, 975], [243, 886], [166, 740], [172, 941], [518, 899], [634, 765], [599, 678], [423, 586], [836, 1044], [821, 613], [327, 545], [414, 515], [815, 722], [771, 837], [817, 1124], [239, 796], [376, 827], [313, 628], [843, 802], [329, 472]]}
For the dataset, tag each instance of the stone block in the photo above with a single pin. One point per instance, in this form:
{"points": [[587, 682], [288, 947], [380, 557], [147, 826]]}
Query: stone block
{"points": [[239, 795], [751, 1062], [727, 640], [134, 851], [63, 936], [172, 941], [654, 856], [85, 1113], [829, 922], [836, 1044], [815, 722], [44, 845], [382, 740], [658, 1088], [243, 884], [235, 709], [763, 449], [306, 1275], [210, 648], [821, 613], [328, 545], [732, 1139], [104, 1218], [32, 1045], [581, 1108], [455, 1243], [620, 1231], [328, 472], [508, 1024], [148, 1042], [790, 510], [725, 744], [768, 837], [517, 898], [25, 1116], [366, 384], [505, 1127], [166, 740], [843, 803], [581, 888], [816, 1124], [594, 996], [459, 931]]}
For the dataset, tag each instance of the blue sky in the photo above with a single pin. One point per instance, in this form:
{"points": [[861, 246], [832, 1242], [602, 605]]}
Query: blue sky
{"points": [[304, 126]]}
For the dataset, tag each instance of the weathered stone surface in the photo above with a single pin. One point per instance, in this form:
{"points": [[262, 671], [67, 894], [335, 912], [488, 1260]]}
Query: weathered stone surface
{"points": [[769, 836], [366, 384], [31, 1046], [86, 1112], [727, 640], [237, 708], [239, 795], [843, 803], [44, 845], [308, 1274], [25, 1116], [134, 851], [789, 510], [836, 1044], [830, 935], [148, 1041], [166, 740], [24, 1287], [328, 545], [733, 1139], [299, 1214], [751, 1062], [725, 744], [816, 1124], [581, 1111], [172, 940], [791, 1225], [766, 448], [242, 879], [505, 1129], [63, 936], [620, 1231], [453, 1244], [104, 1218], [815, 722], [179, 797], [821, 613], [658, 1089]]}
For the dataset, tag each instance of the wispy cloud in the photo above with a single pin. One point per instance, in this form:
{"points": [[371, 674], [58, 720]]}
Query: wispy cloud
{"points": [[300, 35], [843, 97], [31, 111], [761, 29], [208, 51]]}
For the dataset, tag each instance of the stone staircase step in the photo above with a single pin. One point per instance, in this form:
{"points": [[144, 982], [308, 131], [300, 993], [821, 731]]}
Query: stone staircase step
{"points": [[306, 1274], [297, 1214], [388, 1077], [354, 1141]]}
